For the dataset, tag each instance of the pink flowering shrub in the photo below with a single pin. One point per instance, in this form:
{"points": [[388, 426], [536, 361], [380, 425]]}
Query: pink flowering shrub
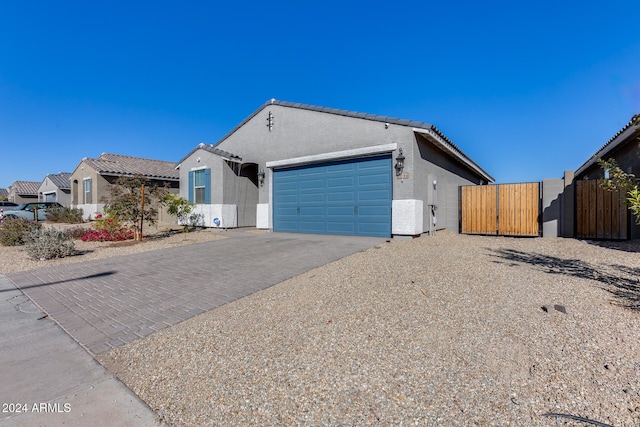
{"points": [[108, 229]]}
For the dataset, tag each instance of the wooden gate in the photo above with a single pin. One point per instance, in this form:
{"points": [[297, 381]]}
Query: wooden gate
{"points": [[501, 209], [600, 214]]}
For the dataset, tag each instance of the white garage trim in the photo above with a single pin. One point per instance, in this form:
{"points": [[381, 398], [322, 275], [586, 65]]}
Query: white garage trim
{"points": [[335, 155]]}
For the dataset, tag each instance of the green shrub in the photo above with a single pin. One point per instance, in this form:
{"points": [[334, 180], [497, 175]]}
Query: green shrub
{"points": [[181, 208], [49, 243], [13, 231], [65, 215]]}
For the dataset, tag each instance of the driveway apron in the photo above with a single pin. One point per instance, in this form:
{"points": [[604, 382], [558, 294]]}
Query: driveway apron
{"points": [[106, 303]]}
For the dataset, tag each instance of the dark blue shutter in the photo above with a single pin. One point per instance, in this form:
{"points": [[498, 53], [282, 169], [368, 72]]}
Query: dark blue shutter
{"points": [[191, 181], [207, 186]]}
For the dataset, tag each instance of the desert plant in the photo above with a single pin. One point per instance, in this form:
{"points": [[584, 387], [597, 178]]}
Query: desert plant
{"points": [[13, 231], [181, 208], [617, 179], [196, 219], [77, 232], [65, 215], [48, 243]]}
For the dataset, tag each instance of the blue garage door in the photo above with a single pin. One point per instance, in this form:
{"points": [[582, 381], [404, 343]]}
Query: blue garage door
{"points": [[350, 197]]}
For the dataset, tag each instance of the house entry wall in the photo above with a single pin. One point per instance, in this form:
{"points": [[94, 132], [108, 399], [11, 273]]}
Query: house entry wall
{"points": [[501, 209], [348, 197], [600, 214]]}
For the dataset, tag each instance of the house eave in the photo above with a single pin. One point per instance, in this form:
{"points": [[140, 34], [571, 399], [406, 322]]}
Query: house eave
{"points": [[441, 143], [620, 138]]}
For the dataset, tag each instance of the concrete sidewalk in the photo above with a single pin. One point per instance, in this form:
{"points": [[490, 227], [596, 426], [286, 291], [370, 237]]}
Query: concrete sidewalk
{"points": [[107, 303], [47, 379]]}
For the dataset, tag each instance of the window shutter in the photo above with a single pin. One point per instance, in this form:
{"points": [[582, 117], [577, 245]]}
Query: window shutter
{"points": [[207, 186], [191, 180]]}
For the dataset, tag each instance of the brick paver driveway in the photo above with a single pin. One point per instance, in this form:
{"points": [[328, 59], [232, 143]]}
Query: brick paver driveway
{"points": [[106, 303]]}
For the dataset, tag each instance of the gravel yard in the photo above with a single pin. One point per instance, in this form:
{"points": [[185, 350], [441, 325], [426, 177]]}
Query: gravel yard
{"points": [[14, 258], [443, 330]]}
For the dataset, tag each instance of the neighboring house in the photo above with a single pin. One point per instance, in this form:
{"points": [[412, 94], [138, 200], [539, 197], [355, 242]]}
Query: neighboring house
{"points": [[56, 188], [300, 168], [23, 192], [91, 178], [624, 147], [4, 193]]}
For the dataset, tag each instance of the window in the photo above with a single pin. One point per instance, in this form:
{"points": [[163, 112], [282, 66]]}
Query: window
{"points": [[199, 186], [87, 191]]}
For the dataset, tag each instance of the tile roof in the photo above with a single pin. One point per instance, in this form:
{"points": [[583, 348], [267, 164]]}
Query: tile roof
{"points": [[210, 148], [25, 187], [116, 164], [61, 180], [622, 136], [4, 192]]}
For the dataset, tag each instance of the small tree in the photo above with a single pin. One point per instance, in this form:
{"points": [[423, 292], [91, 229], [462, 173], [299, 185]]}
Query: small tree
{"points": [[134, 199], [620, 180], [180, 208]]}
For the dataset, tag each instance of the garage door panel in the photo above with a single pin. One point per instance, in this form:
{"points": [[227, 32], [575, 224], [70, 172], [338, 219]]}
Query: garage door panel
{"points": [[341, 182], [340, 167], [314, 227], [373, 230], [336, 227], [373, 180], [287, 198], [306, 171], [307, 211], [373, 195], [288, 185], [338, 197], [350, 197], [340, 210], [373, 210], [314, 184], [312, 198]]}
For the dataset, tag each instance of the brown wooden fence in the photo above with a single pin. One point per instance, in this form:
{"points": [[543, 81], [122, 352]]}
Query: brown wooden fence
{"points": [[502, 209], [600, 214]]}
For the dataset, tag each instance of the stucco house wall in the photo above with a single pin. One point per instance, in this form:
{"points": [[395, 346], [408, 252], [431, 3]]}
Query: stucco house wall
{"points": [[94, 203], [437, 178], [222, 188]]}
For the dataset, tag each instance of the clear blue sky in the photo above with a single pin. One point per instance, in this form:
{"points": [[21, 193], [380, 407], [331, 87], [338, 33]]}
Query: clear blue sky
{"points": [[526, 89]]}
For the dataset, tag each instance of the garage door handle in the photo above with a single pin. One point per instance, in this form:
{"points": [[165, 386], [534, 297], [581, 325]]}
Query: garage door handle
{"points": [[355, 210]]}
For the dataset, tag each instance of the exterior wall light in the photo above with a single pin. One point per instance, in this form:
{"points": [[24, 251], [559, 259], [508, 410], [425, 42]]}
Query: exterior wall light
{"points": [[261, 176], [400, 163]]}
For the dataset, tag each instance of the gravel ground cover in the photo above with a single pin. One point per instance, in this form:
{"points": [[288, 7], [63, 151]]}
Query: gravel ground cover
{"points": [[443, 330], [14, 258]]}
